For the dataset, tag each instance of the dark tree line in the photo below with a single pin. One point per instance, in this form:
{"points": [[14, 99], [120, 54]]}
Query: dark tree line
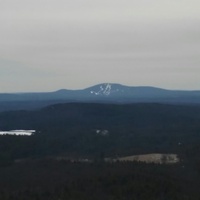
{"points": [[51, 179]]}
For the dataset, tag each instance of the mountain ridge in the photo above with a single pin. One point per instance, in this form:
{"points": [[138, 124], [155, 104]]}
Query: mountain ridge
{"points": [[100, 93]]}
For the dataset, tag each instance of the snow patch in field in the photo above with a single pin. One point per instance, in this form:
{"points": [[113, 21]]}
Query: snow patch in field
{"points": [[18, 132]]}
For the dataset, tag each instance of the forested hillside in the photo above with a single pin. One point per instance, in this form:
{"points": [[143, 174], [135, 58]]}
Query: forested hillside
{"points": [[65, 158], [79, 129]]}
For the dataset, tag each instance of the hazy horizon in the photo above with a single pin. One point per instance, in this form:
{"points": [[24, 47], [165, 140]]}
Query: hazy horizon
{"points": [[82, 88], [65, 44]]}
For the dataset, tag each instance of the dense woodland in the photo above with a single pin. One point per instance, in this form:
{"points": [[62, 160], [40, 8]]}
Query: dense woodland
{"points": [[49, 179], [30, 167]]}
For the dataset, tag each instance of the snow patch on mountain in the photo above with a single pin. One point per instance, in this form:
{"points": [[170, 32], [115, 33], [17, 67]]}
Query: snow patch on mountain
{"points": [[103, 90]]}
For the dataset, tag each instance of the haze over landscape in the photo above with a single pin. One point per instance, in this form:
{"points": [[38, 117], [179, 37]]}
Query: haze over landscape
{"points": [[99, 99], [54, 44]]}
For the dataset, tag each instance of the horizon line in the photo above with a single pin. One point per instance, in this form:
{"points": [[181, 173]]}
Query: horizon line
{"points": [[98, 84]]}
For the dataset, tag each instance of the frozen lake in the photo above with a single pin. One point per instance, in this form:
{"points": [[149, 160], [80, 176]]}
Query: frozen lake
{"points": [[18, 132]]}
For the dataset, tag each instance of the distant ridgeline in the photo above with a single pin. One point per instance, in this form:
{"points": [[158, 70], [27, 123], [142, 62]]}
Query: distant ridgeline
{"points": [[102, 93]]}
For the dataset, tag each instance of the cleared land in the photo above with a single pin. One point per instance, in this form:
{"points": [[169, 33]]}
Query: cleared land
{"points": [[149, 158]]}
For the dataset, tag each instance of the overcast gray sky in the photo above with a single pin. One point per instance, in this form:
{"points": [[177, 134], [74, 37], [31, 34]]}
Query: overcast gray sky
{"points": [[47, 45]]}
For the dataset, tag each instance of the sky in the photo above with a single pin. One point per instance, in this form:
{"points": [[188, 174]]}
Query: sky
{"points": [[46, 45]]}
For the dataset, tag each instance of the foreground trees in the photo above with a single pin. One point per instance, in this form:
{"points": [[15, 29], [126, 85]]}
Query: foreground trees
{"points": [[48, 179]]}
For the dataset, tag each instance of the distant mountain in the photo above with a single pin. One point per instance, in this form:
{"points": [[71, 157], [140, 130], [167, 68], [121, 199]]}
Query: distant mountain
{"points": [[102, 93]]}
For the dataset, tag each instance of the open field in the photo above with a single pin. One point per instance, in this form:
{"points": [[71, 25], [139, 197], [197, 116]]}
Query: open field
{"points": [[150, 158]]}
